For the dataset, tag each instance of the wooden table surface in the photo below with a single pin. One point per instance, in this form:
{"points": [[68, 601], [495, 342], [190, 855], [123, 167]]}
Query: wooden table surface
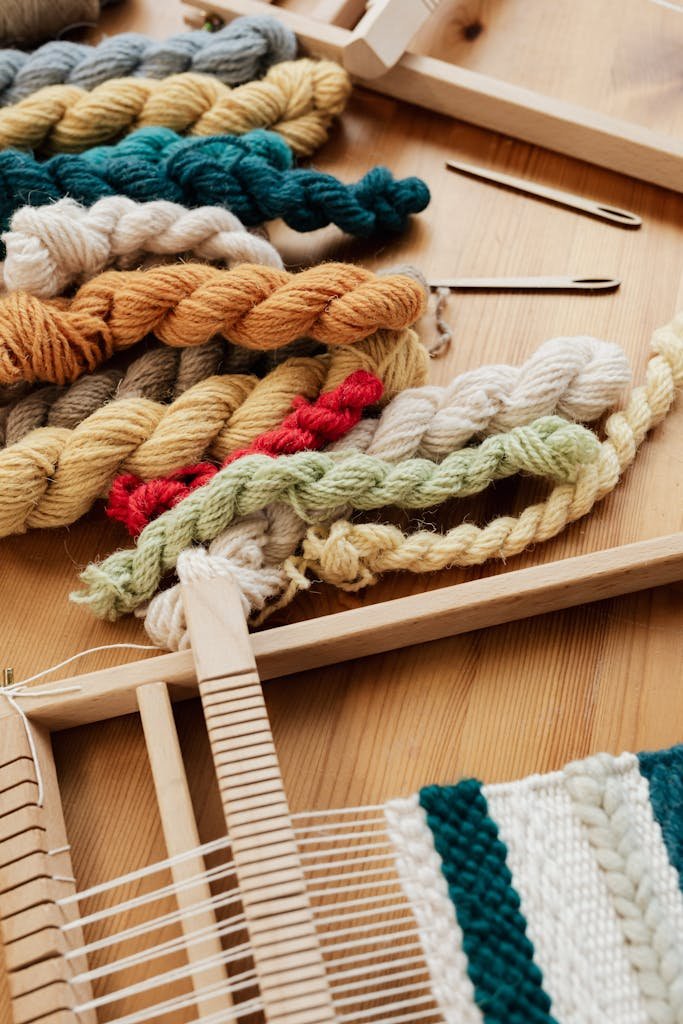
{"points": [[502, 702]]}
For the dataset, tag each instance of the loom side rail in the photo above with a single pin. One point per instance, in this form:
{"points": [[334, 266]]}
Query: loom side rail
{"points": [[488, 102]]}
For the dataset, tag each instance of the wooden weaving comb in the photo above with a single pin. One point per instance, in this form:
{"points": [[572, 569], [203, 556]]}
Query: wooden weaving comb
{"points": [[269, 956]]}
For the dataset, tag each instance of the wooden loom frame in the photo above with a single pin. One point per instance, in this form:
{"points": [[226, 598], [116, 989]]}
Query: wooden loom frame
{"points": [[226, 667], [480, 99]]}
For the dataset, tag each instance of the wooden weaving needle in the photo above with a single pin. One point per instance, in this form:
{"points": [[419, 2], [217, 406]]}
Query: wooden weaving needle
{"points": [[611, 214], [548, 283]]}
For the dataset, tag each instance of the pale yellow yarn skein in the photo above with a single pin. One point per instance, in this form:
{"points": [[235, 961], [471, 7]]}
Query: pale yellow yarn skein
{"points": [[298, 99], [352, 555], [53, 475]]}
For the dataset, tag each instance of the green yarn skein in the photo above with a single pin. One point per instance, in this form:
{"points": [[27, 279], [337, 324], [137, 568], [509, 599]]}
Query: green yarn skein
{"points": [[318, 482]]}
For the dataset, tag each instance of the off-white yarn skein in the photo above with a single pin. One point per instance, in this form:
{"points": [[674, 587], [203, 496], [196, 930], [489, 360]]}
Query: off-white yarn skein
{"points": [[52, 247], [580, 378], [31, 21]]}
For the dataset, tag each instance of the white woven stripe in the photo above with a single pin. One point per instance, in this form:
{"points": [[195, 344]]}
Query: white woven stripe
{"points": [[663, 875], [419, 867], [578, 944]]}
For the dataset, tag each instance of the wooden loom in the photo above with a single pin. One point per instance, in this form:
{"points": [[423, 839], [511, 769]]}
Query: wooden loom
{"points": [[285, 964], [373, 45]]}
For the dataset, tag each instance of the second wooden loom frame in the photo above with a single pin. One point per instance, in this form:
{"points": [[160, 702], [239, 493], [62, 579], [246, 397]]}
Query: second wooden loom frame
{"points": [[482, 100], [226, 667]]}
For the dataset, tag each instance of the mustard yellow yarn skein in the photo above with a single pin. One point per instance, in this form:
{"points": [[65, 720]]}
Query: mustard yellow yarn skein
{"points": [[298, 99]]}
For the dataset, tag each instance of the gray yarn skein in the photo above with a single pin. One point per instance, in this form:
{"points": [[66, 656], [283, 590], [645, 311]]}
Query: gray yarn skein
{"points": [[238, 53]]}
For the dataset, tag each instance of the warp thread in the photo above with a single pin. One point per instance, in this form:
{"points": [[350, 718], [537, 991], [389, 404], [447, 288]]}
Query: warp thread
{"points": [[254, 306], [578, 378], [237, 53], [308, 427], [314, 482], [252, 175], [53, 475], [298, 99], [29, 21], [52, 247], [161, 375]]}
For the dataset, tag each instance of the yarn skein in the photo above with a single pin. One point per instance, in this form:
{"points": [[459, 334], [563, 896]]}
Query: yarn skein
{"points": [[30, 21], [161, 374], [353, 555], [578, 378], [251, 175], [308, 427], [51, 247], [236, 53], [298, 99], [53, 475], [254, 306], [314, 482]]}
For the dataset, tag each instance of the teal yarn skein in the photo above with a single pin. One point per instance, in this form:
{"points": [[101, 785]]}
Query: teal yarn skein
{"points": [[314, 483], [252, 175]]}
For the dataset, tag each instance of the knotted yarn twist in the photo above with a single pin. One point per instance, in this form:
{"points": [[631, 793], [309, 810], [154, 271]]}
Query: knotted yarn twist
{"points": [[309, 427], [579, 377], [353, 555], [313, 482], [298, 99], [251, 175], [187, 304], [237, 53], [51, 247], [53, 475]]}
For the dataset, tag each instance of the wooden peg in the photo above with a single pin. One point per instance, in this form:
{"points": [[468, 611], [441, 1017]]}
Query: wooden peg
{"points": [[382, 35]]}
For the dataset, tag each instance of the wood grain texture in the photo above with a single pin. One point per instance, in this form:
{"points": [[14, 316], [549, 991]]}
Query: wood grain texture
{"points": [[498, 703]]}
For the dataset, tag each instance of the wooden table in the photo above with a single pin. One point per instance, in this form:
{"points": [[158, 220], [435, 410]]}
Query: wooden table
{"points": [[498, 703]]}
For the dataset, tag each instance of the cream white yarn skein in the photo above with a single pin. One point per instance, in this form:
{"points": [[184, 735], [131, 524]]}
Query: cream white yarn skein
{"points": [[54, 246], [580, 378], [251, 553]]}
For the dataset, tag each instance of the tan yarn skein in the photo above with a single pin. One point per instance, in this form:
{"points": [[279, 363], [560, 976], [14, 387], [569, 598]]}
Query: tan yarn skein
{"points": [[53, 475], [298, 99], [258, 307]]}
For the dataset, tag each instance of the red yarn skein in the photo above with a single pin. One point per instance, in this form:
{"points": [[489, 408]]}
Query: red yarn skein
{"points": [[310, 425]]}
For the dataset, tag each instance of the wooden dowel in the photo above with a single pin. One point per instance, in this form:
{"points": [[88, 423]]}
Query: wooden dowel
{"points": [[449, 611], [479, 99], [287, 957], [181, 835]]}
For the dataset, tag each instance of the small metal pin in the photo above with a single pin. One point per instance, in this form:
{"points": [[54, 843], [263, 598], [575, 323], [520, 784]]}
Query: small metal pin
{"points": [[549, 283], [7, 677], [603, 211]]}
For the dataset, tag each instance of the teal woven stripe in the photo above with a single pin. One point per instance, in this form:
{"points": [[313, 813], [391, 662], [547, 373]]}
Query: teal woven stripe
{"points": [[508, 985], [663, 769]]}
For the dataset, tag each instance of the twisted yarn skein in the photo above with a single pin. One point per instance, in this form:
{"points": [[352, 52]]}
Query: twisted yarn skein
{"points": [[29, 21], [352, 555], [53, 475], [251, 175], [51, 247], [313, 482], [308, 427], [237, 53], [255, 306], [161, 374], [298, 99], [581, 377], [578, 378]]}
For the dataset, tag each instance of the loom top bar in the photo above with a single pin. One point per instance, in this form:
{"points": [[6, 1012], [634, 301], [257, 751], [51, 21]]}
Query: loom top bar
{"points": [[361, 632]]}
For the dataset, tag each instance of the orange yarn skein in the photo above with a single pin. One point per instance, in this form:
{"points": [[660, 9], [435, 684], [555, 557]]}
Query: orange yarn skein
{"points": [[187, 304]]}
